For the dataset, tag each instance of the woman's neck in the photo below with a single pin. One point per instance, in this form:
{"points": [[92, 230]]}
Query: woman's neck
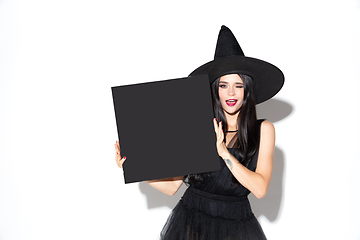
{"points": [[232, 121]]}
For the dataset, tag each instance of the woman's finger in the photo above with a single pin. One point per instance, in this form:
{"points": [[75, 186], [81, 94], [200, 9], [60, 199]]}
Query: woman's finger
{"points": [[117, 146], [121, 162], [215, 126], [117, 154], [221, 132]]}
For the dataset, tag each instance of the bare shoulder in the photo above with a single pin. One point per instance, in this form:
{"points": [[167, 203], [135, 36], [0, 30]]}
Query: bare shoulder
{"points": [[267, 132], [266, 149], [267, 127]]}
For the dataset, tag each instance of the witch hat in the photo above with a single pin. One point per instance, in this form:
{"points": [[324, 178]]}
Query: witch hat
{"points": [[229, 59]]}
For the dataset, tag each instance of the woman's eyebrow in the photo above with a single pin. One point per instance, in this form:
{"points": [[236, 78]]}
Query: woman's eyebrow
{"points": [[222, 81]]}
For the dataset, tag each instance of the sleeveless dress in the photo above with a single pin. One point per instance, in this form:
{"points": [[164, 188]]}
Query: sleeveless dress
{"points": [[215, 209]]}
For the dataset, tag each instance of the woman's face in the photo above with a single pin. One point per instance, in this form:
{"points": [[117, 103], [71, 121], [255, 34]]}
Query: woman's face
{"points": [[231, 93]]}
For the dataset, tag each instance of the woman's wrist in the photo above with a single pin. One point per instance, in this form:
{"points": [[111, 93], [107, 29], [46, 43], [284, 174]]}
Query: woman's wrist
{"points": [[225, 155]]}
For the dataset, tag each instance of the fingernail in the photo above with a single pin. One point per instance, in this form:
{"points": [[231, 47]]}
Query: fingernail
{"points": [[124, 157], [117, 152], [215, 119]]}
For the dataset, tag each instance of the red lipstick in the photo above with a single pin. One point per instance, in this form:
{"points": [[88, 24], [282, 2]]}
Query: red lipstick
{"points": [[231, 102]]}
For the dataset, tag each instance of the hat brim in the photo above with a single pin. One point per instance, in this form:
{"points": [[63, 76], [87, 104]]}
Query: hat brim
{"points": [[268, 78]]}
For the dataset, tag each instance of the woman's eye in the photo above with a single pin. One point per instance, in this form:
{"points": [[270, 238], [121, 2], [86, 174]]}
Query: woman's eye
{"points": [[222, 86], [239, 86]]}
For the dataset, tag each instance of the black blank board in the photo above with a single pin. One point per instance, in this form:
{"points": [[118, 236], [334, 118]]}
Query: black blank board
{"points": [[166, 128]]}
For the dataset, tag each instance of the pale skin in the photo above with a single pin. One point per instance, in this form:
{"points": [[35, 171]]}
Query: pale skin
{"points": [[230, 89]]}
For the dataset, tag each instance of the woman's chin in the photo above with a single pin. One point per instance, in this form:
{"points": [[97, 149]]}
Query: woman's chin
{"points": [[231, 112]]}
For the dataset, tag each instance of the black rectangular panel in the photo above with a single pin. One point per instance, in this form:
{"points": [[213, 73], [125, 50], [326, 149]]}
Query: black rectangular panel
{"points": [[166, 128]]}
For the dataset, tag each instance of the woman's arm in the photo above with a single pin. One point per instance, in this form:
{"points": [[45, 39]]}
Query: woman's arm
{"points": [[168, 186], [257, 182]]}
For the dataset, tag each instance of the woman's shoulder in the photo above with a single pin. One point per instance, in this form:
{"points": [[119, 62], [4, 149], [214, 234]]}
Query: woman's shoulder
{"points": [[267, 128], [265, 123]]}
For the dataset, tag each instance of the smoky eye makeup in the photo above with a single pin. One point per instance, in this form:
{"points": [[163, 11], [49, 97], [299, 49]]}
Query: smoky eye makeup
{"points": [[238, 85]]}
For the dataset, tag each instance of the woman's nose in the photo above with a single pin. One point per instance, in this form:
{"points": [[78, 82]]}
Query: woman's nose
{"points": [[231, 91]]}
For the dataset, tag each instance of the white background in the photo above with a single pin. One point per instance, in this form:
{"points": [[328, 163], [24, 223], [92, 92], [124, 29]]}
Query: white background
{"points": [[59, 60]]}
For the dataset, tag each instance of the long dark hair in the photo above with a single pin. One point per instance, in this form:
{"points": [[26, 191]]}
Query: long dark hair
{"points": [[248, 133]]}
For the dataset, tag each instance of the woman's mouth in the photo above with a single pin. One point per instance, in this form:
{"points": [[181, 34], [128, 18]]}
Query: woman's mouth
{"points": [[231, 102]]}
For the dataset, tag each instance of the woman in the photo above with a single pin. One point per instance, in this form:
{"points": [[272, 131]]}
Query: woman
{"points": [[215, 206]]}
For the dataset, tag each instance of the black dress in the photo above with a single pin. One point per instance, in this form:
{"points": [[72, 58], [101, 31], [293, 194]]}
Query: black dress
{"points": [[216, 209]]}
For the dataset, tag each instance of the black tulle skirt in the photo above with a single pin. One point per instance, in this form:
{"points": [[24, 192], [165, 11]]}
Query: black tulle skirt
{"points": [[204, 216]]}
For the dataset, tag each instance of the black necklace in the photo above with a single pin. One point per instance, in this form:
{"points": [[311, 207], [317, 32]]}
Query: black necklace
{"points": [[232, 131]]}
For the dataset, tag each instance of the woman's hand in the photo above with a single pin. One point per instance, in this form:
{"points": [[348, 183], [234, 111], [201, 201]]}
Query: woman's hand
{"points": [[119, 161], [220, 144]]}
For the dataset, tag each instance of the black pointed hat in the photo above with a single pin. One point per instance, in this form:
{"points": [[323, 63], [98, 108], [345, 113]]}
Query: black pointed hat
{"points": [[229, 58]]}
